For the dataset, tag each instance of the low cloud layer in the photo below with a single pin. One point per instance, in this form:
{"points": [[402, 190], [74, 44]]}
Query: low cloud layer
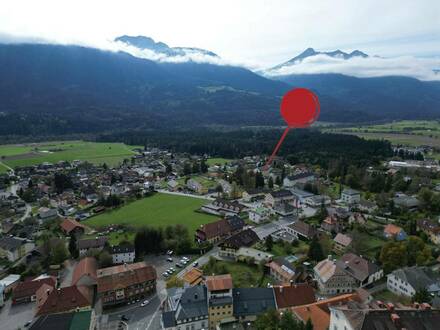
{"points": [[420, 68]]}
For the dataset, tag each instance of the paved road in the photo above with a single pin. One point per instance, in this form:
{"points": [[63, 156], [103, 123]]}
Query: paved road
{"points": [[163, 191], [15, 317], [13, 189], [201, 261], [8, 167]]}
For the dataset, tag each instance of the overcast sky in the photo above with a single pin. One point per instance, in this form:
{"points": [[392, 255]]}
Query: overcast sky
{"points": [[260, 33]]}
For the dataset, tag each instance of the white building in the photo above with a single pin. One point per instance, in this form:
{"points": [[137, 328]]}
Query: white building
{"points": [[123, 254], [406, 281], [350, 196], [258, 215]]}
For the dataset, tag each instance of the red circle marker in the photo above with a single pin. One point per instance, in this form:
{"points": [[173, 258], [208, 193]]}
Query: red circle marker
{"points": [[299, 108]]}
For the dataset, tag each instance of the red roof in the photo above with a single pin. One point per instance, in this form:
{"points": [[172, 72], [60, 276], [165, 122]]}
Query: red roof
{"points": [[70, 224], [29, 288], [217, 228], [51, 301], [86, 267], [219, 282], [294, 295]]}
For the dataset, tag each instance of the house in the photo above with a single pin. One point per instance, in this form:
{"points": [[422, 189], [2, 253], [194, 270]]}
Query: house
{"points": [[300, 196], [319, 312], [341, 242], [46, 214], [258, 215], [406, 281], [394, 232], [27, 291], [219, 299], [430, 228], [196, 186], [364, 271], [172, 185], [331, 279], [299, 178], [89, 244], [84, 272], [293, 295], [357, 218], [193, 277], [252, 195], [301, 230], [124, 283], [360, 316], [121, 254], [284, 209], [230, 246], [235, 223], [406, 202], [14, 248], [186, 308], [72, 227], [251, 302], [281, 270], [9, 282], [67, 299], [213, 232], [275, 198], [317, 201], [223, 207], [350, 196], [332, 224], [367, 206]]}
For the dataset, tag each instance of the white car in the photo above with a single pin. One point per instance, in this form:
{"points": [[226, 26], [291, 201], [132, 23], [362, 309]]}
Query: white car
{"points": [[185, 258], [145, 303]]}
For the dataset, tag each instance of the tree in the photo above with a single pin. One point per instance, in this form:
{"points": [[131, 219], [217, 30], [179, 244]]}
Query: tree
{"points": [[422, 296], [309, 325], [259, 180], [59, 253], [62, 182], [269, 243], [392, 256], [203, 166], [174, 282], [186, 169], [105, 259], [73, 247], [270, 183], [267, 321], [315, 250]]}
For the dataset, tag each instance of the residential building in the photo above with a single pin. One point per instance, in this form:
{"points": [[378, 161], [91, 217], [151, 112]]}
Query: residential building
{"points": [[27, 291], [251, 302], [301, 230], [406, 281], [85, 272], [288, 296], [230, 246], [350, 196], [213, 232], [410, 203], [332, 224], [367, 206], [220, 304], [259, 215], [299, 178], [193, 277], [364, 271], [84, 320], [275, 198], [359, 316], [394, 232], [123, 254], [341, 242], [251, 195], [67, 299], [186, 309], [71, 226], [124, 283], [300, 197], [46, 214], [281, 270], [9, 282], [317, 201], [223, 207], [89, 244], [331, 279], [14, 248], [196, 186], [430, 228]]}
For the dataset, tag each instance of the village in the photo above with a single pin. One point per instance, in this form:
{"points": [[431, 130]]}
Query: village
{"points": [[179, 241]]}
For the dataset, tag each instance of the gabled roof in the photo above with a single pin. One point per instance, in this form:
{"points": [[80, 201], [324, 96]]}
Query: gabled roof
{"points": [[252, 301], [193, 303], [392, 230], [29, 288], [11, 243], [193, 277], [303, 228], [86, 267], [125, 248], [294, 295], [351, 192], [417, 277], [301, 175], [70, 224], [243, 238], [357, 266], [281, 194], [235, 222], [219, 282], [217, 228], [92, 243], [342, 239]]}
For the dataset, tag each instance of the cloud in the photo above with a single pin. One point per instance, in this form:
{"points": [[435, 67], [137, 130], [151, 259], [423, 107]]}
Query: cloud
{"points": [[420, 68]]}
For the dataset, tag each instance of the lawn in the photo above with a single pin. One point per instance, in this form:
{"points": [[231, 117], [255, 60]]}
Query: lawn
{"points": [[37, 153], [243, 275], [217, 161], [157, 210], [388, 296]]}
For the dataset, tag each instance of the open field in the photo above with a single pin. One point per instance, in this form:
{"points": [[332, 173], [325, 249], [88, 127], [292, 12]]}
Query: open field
{"points": [[52, 152], [243, 275], [407, 132], [217, 161], [157, 210]]}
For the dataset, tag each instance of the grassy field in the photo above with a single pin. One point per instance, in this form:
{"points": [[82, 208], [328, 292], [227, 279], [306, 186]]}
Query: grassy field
{"points": [[243, 275], [217, 161], [37, 153], [408, 132], [157, 210]]}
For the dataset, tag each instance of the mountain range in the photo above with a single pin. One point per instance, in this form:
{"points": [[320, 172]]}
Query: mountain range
{"points": [[54, 89]]}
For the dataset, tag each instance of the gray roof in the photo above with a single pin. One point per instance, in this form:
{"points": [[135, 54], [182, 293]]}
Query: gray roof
{"points": [[417, 277], [126, 248], [168, 319], [252, 301], [193, 303], [351, 192], [11, 243]]}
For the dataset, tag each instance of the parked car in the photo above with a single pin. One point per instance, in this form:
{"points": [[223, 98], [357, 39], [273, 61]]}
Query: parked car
{"points": [[195, 264], [170, 252], [170, 259], [124, 318], [179, 265], [145, 303]]}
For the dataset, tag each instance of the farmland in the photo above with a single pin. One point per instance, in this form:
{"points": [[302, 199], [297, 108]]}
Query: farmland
{"points": [[52, 152], [158, 210]]}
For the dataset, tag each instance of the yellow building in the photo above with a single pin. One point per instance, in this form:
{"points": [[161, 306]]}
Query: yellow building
{"points": [[220, 307]]}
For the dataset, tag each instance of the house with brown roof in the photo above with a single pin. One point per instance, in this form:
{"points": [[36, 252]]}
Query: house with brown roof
{"points": [[293, 295], [90, 244], [27, 291], [430, 228], [341, 242], [85, 272], [219, 296], [301, 230], [364, 271], [71, 226], [319, 312], [123, 283], [72, 298], [214, 232], [230, 246], [281, 270], [193, 277], [332, 224], [394, 232]]}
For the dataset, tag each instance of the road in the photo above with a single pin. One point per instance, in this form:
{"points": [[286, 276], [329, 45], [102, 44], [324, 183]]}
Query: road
{"points": [[8, 167], [13, 189], [163, 191], [201, 261]]}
